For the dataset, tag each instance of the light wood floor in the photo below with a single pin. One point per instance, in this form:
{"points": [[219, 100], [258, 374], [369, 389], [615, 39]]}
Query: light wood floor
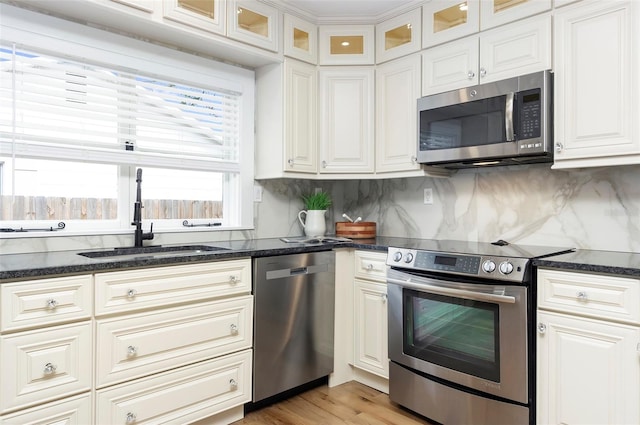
{"points": [[350, 403]]}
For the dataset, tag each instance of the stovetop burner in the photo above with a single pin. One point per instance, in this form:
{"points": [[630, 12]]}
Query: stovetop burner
{"points": [[498, 261]]}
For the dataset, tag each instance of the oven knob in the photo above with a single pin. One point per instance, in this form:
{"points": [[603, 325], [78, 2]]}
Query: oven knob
{"points": [[488, 266], [506, 267], [397, 256], [408, 258]]}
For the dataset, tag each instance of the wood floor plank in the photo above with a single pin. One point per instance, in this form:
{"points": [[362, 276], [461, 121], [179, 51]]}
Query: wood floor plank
{"points": [[351, 403]]}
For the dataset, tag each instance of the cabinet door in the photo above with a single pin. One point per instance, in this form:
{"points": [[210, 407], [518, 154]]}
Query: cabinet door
{"points": [[498, 12], [450, 66], [346, 116], [300, 39], [144, 5], [398, 36], [588, 371], [397, 88], [71, 410], [347, 45], [254, 23], [596, 84], [515, 50], [206, 15], [300, 120], [446, 20], [370, 349]]}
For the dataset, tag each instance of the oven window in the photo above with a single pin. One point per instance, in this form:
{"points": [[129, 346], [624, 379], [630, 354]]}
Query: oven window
{"points": [[452, 332], [481, 122]]}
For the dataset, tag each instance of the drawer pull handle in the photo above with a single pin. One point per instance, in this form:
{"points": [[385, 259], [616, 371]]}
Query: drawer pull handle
{"points": [[369, 266], [542, 328], [233, 279], [52, 304], [131, 418], [234, 329], [233, 384], [582, 296], [49, 369], [132, 351], [131, 293]]}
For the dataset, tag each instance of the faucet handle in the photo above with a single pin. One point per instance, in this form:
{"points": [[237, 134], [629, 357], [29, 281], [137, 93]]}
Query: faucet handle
{"points": [[148, 236]]}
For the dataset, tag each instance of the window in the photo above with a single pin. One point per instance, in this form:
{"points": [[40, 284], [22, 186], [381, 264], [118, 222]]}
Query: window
{"points": [[74, 131]]}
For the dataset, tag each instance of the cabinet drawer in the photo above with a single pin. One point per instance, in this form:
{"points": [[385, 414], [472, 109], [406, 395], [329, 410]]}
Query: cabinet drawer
{"points": [[39, 366], [72, 410], [371, 265], [131, 290], [147, 343], [180, 396], [45, 302], [600, 296]]}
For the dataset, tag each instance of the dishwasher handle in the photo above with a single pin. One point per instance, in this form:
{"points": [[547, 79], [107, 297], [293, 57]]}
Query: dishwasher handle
{"points": [[297, 271]]}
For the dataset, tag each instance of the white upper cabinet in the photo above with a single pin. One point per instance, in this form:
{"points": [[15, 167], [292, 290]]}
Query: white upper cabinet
{"points": [[597, 77], [446, 20], [346, 119], [397, 87], [144, 5], [398, 36], [254, 23], [205, 15], [347, 45], [300, 39], [516, 49]]}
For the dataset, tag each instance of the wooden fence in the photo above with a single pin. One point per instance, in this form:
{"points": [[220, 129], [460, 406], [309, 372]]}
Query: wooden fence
{"points": [[60, 208]]}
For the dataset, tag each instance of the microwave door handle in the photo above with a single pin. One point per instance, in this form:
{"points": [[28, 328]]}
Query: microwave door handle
{"points": [[508, 117], [460, 293]]}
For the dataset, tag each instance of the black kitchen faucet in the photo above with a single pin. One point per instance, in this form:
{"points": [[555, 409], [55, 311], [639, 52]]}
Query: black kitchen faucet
{"points": [[137, 214]]}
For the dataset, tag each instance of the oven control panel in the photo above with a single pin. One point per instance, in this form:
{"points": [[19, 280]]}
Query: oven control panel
{"points": [[489, 267]]}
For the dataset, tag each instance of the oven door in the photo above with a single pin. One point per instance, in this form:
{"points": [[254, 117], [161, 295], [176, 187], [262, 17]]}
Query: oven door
{"points": [[474, 335]]}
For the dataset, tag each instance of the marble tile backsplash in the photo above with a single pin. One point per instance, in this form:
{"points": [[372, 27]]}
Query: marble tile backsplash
{"points": [[589, 209]]}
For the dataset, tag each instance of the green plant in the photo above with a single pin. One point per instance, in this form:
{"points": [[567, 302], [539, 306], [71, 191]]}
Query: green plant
{"points": [[317, 201]]}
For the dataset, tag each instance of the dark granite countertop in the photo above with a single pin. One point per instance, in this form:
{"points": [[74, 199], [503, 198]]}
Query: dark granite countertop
{"points": [[47, 264], [583, 260]]}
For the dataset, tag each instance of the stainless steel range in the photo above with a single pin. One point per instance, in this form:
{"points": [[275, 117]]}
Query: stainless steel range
{"points": [[461, 330]]}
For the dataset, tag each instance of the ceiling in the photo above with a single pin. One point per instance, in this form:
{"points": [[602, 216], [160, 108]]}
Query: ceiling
{"points": [[369, 11]]}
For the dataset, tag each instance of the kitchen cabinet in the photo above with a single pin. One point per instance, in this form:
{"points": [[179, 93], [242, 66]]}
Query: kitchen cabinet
{"points": [[398, 85], [346, 143], [597, 84], [143, 5], [398, 36], [287, 120], [207, 15], [509, 51], [169, 343], [347, 45], [447, 20], [255, 23], [300, 39], [588, 346]]}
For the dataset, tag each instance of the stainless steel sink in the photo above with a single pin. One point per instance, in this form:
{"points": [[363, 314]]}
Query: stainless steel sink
{"points": [[151, 252]]}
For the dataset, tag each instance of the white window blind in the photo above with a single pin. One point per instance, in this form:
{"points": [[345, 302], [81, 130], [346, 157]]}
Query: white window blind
{"points": [[57, 108]]}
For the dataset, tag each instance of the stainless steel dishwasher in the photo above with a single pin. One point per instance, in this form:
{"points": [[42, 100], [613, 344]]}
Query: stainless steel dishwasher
{"points": [[293, 321]]}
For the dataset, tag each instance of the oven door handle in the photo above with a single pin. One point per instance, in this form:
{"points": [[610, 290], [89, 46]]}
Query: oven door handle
{"points": [[460, 293]]}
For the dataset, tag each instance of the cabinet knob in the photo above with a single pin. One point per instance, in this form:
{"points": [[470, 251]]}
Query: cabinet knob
{"points": [[130, 418], [131, 293], [233, 384], [483, 72], [233, 279], [559, 147], [369, 266], [471, 75], [290, 161], [582, 296], [542, 328], [414, 159], [132, 351], [49, 369], [52, 304], [384, 298], [233, 329], [324, 164]]}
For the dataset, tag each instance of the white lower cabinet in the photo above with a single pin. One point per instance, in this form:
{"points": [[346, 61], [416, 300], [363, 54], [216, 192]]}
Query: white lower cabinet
{"points": [[370, 348], [179, 396], [73, 411], [588, 349]]}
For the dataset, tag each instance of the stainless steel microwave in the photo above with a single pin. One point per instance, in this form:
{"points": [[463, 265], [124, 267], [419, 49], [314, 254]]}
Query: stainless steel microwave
{"points": [[507, 122]]}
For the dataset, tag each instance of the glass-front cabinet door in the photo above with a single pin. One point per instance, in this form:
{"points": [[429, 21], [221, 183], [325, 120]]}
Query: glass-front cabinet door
{"points": [[398, 36], [207, 15], [254, 23], [446, 20], [498, 12], [300, 39], [347, 45]]}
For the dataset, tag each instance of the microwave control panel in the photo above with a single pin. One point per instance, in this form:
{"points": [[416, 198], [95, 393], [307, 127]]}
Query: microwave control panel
{"points": [[530, 119]]}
